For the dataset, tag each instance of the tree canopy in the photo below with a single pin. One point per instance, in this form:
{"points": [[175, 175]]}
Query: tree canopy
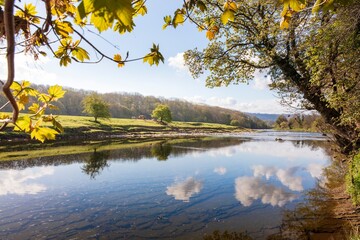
{"points": [[313, 60], [162, 113], [96, 107]]}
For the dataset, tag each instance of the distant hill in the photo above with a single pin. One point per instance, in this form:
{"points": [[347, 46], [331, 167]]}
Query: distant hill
{"points": [[132, 105], [265, 116]]}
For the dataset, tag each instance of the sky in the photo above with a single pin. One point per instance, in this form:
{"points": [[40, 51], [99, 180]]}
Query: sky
{"points": [[169, 80]]}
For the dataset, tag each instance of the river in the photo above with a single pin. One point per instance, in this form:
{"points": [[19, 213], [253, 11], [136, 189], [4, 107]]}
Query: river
{"points": [[187, 188]]}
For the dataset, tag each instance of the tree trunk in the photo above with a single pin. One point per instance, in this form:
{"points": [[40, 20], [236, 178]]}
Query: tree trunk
{"points": [[346, 136]]}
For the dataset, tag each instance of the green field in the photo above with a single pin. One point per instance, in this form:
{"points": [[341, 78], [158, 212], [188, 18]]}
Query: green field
{"points": [[86, 127]]}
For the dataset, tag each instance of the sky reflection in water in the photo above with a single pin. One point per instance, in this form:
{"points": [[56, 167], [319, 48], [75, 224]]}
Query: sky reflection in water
{"points": [[198, 188]]}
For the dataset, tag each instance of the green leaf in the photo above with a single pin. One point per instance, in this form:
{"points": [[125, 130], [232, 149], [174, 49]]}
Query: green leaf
{"points": [[228, 15], [56, 92]]}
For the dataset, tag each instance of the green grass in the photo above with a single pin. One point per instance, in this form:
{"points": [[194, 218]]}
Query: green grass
{"points": [[71, 122], [86, 128], [353, 180]]}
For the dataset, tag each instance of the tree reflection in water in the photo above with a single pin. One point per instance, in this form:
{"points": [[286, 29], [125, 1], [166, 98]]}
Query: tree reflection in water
{"points": [[96, 163], [161, 151], [325, 212]]}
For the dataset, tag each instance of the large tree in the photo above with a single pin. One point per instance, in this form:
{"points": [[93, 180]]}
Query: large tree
{"points": [[96, 107], [162, 112], [313, 58]]}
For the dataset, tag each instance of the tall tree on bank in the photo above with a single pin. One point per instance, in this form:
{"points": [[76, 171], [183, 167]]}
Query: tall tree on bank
{"points": [[96, 107], [314, 60], [162, 113], [64, 30]]}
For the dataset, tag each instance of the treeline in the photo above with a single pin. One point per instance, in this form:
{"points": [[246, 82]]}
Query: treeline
{"points": [[304, 122], [130, 105]]}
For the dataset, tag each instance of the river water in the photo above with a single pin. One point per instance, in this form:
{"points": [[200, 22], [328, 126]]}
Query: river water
{"points": [[169, 189]]}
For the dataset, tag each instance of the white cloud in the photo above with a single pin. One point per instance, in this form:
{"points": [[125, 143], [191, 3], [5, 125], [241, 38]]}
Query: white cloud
{"points": [[184, 190], [178, 63], [220, 170], [26, 68], [15, 181], [249, 189], [255, 106], [261, 80]]}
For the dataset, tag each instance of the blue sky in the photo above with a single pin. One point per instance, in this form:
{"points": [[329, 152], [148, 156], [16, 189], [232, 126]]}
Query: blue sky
{"points": [[169, 80]]}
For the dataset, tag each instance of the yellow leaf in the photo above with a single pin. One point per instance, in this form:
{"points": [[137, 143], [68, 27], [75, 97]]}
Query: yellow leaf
{"points": [[285, 22], [44, 98], [64, 29], [56, 92], [210, 34], [140, 8], [179, 18], [22, 100], [57, 126], [34, 108], [4, 116], [80, 54], [16, 87], [118, 59], [43, 133], [228, 15], [229, 5], [23, 124]]}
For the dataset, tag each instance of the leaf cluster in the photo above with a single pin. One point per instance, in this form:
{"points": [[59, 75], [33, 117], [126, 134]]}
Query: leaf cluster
{"points": [[35, 123]]}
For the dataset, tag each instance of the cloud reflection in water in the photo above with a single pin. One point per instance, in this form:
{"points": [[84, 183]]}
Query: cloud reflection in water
{"points": [[286, 176], [249, 189], [220, 170], [185, 190], [14, 181]]}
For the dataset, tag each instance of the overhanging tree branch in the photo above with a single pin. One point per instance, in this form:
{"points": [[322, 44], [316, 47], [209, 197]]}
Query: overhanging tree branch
{"points": [[10, 39]]}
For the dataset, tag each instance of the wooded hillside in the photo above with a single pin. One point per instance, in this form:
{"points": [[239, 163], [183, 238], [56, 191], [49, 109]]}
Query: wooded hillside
{"points": [[130, 105]]}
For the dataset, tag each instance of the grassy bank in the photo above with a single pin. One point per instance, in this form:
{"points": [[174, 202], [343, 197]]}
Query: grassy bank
{"points": [[80, 127]]}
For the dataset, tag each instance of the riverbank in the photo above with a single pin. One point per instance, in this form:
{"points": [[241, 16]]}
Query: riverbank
{"points": [[85, 128]]}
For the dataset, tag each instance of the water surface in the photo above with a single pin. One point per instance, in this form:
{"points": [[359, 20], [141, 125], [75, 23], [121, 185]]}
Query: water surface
{"points": [[179, 189]]}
